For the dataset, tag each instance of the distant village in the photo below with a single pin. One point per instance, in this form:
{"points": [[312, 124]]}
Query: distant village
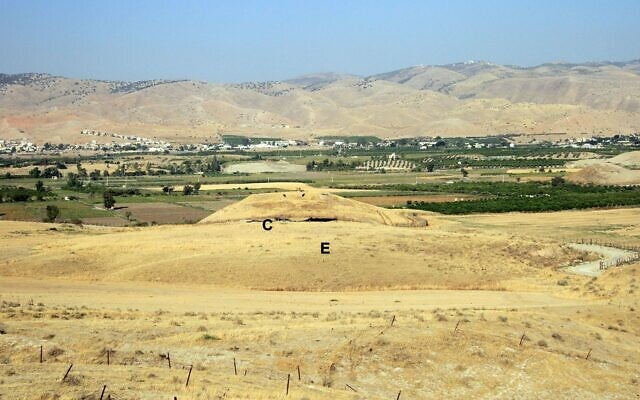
{"points": [[121, 144]]}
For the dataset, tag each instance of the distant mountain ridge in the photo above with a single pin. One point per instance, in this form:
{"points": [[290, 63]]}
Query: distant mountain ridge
{"points": [[462, 99]]}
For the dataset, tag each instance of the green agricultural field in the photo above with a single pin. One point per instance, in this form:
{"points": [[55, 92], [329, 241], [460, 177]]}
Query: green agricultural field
{"points": [[36, 211]]}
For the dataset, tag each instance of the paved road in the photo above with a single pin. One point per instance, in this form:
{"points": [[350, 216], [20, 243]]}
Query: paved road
{"points": [[592, 268]]}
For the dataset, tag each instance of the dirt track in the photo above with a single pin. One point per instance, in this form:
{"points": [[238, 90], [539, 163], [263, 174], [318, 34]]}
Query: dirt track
{"points": [[192, 298], [592, 268]]}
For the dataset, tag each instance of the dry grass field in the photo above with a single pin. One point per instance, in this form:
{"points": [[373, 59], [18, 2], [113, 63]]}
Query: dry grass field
{"points": [[618, 170], [263, 166], [471, 306]]}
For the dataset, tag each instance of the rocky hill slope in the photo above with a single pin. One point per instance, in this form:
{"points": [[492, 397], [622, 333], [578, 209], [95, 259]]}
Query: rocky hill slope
{"points": [[471, 98]]}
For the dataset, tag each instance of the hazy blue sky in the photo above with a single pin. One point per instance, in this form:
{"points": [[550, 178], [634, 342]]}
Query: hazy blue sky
{"points": [[229, 41]]}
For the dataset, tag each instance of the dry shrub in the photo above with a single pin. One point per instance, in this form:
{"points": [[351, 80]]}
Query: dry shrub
{"points": [[441, 317], [55, 352], [332, 316], [73, 380]]}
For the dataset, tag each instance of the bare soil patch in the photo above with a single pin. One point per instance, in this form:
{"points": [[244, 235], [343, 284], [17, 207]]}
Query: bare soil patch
{"points": [[264, 166], [212, 206], [162, 213], [105, 221]]}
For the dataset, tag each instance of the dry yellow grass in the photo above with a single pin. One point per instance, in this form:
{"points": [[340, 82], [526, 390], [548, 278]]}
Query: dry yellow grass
{"points": [[628, 159], [559, 226], [240, 254], [605, 174], [467, 346], [611, 171], [186, 291], [312, 204]]}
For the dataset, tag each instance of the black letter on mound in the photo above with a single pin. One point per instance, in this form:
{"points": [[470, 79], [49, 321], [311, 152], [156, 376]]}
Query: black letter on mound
{"points": [[264, 225], [324, 248]]}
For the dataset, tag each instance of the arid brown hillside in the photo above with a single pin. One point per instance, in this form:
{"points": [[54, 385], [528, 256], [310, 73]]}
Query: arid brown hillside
{"points": [[472, 98]]}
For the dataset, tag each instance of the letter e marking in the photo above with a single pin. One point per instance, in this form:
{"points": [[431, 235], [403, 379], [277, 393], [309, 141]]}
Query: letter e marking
{"points": [[324, 248]]}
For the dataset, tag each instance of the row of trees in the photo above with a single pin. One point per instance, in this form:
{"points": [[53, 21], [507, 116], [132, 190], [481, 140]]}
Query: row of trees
{"points": [[49, 172], [529, 197], [540, 203], [328, 165], [21, 194], [187, 190]]}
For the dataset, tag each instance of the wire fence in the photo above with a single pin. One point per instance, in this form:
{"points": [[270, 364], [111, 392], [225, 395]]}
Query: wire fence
{"points": [[632, 251], [105, 357]]}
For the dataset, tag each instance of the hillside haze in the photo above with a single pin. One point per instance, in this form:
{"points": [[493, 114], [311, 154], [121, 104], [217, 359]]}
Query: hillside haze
{"points": [[463, 99]]}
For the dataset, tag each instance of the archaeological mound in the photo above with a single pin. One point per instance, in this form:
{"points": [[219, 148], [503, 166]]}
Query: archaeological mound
{"points": [[312, 206]]}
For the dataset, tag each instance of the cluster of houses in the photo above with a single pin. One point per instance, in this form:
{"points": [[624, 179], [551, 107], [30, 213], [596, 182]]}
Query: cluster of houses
{"points": [[24, 146], [17, 146], [598, 142], [151, 145], [263, 145], [129, 143]]}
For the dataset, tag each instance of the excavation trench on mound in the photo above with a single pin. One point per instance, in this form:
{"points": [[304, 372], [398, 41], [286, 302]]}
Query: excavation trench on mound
{"points": [[280, 219]]}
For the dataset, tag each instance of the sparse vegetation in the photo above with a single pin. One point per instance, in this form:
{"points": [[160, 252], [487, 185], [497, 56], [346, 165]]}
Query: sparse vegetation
{"points": [[52, 213]]}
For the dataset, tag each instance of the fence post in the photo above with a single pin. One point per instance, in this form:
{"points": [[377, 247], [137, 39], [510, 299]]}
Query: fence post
{"points": [[67, 373], [169, 359], [298, 372], [235, 369], [588, 354], [103, 389], [41, 359], [189, 376], [288, 379]]}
